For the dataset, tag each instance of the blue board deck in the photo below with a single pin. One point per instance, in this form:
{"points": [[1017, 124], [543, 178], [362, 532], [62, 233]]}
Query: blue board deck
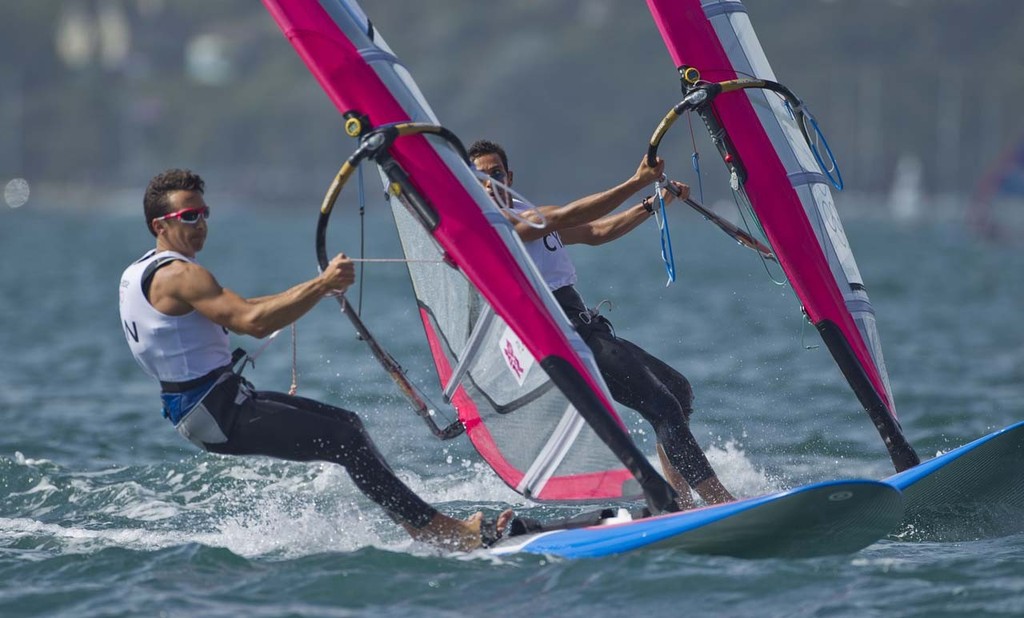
{"points": [[834, 517], [970, 493]]}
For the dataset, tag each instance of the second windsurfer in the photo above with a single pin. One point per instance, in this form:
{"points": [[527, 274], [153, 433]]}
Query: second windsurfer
{"points": [[637, 379]]}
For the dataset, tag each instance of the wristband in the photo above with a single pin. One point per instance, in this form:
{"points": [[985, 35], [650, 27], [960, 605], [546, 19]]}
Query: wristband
{"points": [[648, 204]]}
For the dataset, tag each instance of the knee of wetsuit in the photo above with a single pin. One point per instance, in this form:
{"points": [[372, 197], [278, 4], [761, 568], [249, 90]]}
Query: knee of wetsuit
{"points": [[685, 397], [350, 429], [351, 418]]}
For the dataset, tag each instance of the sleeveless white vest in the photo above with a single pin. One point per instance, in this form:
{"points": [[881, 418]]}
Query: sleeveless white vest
{"points": [[550, 256], [171, 348]]}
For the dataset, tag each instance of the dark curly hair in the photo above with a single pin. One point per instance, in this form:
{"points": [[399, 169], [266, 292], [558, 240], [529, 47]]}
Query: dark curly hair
{"points": [[154, 203], [483, 147]]}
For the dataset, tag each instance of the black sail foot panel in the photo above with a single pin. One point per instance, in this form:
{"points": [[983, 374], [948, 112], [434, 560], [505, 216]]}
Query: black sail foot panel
{"points": [[900, 451], [661, 498]]}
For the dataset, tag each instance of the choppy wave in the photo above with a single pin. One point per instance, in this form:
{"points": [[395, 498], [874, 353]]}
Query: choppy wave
{"points": [[106, 511]]}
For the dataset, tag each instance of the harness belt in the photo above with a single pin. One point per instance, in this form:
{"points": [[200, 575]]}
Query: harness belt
{"points": [[571, 302], [584, 319], [187, 385]]}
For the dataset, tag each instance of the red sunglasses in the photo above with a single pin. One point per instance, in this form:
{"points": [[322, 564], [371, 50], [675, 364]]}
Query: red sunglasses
{"points": [[188, 215]]}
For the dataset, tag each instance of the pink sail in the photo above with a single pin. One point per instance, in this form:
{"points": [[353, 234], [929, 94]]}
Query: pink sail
{"points": [[790, 196], [518, 375]]}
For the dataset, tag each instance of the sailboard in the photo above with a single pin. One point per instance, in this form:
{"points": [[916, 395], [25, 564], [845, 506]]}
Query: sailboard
{"points": [[829, 518], [780, 171], [972, 492], [524, 385]]}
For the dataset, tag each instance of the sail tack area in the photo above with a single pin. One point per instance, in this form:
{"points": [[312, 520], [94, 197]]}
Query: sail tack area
{"points": [[790, 196], [520, 378]]}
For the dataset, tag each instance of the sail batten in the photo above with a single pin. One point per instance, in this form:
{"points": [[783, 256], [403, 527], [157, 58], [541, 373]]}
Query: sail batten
{"points": [[470, 353], [552, 454]]}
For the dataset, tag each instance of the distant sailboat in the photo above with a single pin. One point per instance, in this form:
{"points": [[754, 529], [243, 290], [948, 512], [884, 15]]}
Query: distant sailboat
{"points": [[905, 198]]}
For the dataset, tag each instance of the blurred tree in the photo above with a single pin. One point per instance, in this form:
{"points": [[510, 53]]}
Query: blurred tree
{"points": [[573, 87]]}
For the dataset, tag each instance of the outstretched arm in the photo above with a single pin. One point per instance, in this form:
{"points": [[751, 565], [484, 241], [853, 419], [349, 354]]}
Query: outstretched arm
{"points": [[183, 286], [587, 209], [615, 226]]}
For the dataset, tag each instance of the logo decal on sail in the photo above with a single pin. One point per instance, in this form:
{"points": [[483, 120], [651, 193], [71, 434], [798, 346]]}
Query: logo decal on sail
{"points": [[517, 358], [834, 229]]}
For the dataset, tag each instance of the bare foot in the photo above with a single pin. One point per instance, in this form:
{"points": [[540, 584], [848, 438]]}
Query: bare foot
{"points": [[458, 534], [713, 492], [684, 499], [503, 521], [495, 530]]}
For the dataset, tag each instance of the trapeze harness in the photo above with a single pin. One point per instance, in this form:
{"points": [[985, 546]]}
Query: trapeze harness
{"points": [[216, 409], [636, 379]]}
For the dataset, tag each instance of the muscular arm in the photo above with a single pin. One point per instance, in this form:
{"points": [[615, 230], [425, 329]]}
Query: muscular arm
{"points": [[182, 286], [587, 209], [581, 211], [606, 229], [615, 226]]}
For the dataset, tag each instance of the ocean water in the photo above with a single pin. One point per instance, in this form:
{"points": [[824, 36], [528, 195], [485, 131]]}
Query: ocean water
{"points": [[106, 511]]}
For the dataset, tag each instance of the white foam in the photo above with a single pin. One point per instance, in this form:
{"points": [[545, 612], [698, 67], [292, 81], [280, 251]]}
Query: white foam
{"points": [[265, 507], [738, 473], [21, 460]]}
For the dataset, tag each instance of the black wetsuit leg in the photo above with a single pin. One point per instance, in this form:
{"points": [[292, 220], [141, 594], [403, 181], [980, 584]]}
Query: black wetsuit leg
{"points": [[301, 429], [638, 380]]}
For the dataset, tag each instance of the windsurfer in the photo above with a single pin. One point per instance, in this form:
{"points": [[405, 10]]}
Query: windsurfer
{"points": [[635, 378], [176, 318]]}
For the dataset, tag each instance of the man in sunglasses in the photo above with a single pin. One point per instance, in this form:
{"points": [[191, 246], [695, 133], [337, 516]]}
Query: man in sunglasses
{"points": [[636, 379], [176, 318]]}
